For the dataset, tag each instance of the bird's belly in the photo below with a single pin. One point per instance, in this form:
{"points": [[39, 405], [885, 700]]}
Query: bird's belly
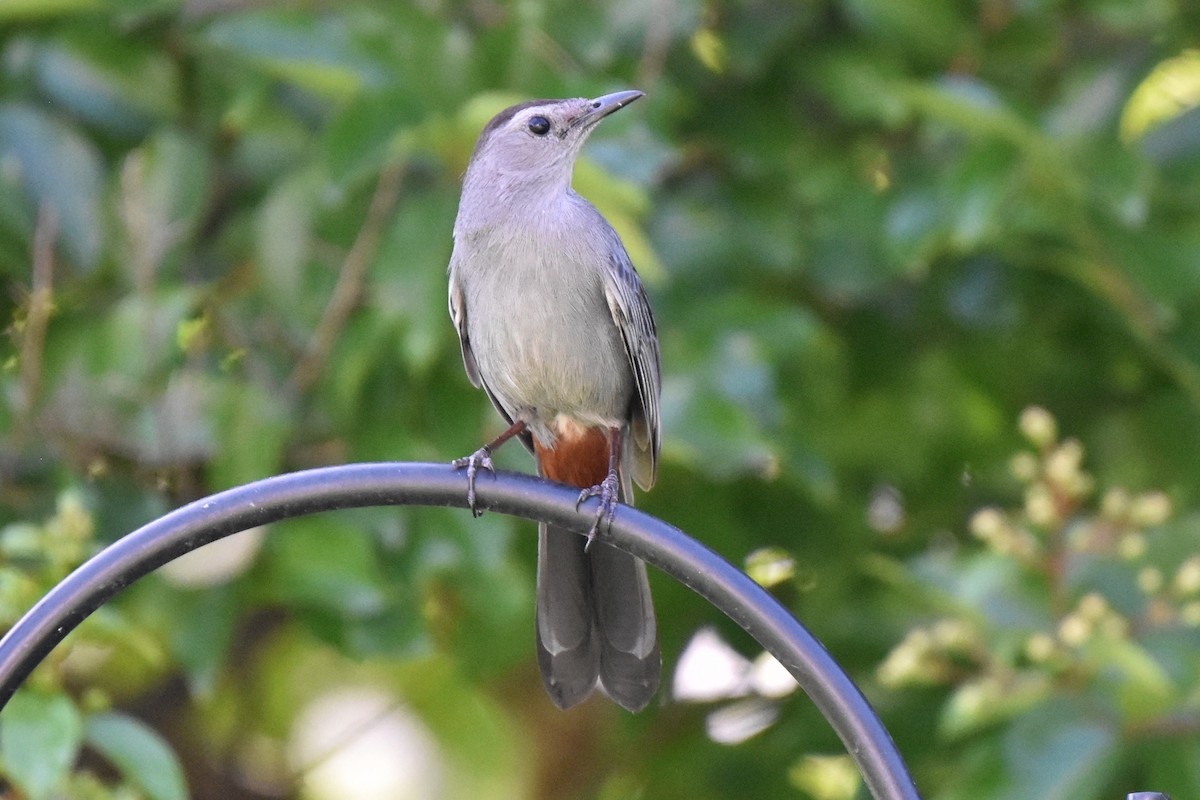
{"points": [[561, 355]]}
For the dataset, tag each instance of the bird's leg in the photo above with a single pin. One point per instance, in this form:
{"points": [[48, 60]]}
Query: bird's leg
{"points": [[482, 458], [608, 490]]}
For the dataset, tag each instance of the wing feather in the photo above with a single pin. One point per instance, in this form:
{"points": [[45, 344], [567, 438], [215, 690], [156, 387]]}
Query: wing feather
{"points": [[458, 314], [631, 312]]}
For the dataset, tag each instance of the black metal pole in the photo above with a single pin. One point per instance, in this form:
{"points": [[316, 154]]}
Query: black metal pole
{"points": [[357, 485]]}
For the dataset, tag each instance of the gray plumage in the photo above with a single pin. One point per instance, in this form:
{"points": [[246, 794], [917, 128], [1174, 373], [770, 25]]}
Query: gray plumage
{"points": [[555, 326]]}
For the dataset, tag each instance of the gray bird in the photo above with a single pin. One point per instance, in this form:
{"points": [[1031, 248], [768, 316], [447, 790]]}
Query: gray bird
{"points": [[555, 327]]}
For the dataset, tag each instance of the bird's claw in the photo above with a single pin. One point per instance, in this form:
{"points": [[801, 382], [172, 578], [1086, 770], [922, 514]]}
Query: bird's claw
{"points": [[608, 494], [480, 459]]}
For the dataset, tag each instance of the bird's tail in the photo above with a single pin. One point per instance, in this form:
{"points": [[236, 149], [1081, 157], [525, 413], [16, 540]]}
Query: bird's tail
{"points": [[595, 615]]}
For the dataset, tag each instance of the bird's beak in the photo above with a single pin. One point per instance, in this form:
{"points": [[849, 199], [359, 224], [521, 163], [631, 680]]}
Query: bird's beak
{"points": [[601, 107]]}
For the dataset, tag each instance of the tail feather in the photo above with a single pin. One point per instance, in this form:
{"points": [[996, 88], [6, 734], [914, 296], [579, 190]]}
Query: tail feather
{"points": [[630, 660], [595, 614], [567, 642]]}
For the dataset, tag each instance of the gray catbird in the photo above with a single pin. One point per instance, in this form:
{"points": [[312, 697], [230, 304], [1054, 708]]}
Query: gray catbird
{"points": [[555, 326]]}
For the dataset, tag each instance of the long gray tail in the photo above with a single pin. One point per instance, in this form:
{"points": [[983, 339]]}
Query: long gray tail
{"points": [[595, 621]]}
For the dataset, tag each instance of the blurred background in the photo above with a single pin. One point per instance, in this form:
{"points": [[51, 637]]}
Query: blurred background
{"points": [[927, 280]]}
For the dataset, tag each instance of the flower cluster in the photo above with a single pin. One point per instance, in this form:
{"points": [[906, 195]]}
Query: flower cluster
{"points": [[1063, 594]]}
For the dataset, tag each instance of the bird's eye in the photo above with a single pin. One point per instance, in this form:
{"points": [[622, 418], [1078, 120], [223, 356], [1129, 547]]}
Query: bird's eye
{"points": [[539, 126]]}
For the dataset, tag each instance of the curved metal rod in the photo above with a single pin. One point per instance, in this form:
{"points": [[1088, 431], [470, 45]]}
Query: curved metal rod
{"points": [[357, 485]]}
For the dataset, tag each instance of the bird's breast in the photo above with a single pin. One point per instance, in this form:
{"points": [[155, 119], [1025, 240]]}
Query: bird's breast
{"points": [[541, 330]]}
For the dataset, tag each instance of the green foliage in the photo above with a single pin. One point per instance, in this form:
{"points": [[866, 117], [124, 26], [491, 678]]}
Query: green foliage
{"points": [[41, 736], [1066, 635], [140, 753], [873, 233], [45, 727]]}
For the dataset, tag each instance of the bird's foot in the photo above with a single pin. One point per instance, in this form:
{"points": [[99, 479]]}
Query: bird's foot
{"points": [[608, 493], [480, 459]]}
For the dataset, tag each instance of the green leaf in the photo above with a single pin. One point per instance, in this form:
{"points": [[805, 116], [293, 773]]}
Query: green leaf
{"points": [[318, 54], [139, 336], [252, 430], [61, 169], [861, 88], [140, 753], [40, 736], [714, 431], [173, 175], [326, 563], [1142, 686], [358, 140], [124, 87], [1059, 751], [974, 705], [927, 29], [199, 625], [980, 771], [1176, 140], [976, 110], [409, 274], [1173, 767], [471, 725], [284, 236], [17, 10]]}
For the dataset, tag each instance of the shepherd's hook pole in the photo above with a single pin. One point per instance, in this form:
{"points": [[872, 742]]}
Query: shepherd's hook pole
{"points": [[390, 484]]}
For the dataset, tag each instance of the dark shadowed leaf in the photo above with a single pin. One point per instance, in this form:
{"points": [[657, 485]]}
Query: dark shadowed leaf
{"points": [[360, 138], [324, 563], [121, 88], [319, 55], [252, 430], [58, 169]]}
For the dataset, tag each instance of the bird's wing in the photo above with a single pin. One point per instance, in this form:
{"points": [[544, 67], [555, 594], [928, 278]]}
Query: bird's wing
{"points": [[631, 312], [458, 314]]}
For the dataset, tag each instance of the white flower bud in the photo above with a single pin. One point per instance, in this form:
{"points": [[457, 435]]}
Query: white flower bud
{"points": [[1040, 506], [1150, 580], [1131, 546], [1039, 426], [987, 524], [1187, 578], [1150, 509], [1040, 647], [1074, 630]]}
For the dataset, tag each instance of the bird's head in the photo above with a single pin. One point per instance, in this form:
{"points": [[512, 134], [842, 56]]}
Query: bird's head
{"points": [[534, 144]]}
